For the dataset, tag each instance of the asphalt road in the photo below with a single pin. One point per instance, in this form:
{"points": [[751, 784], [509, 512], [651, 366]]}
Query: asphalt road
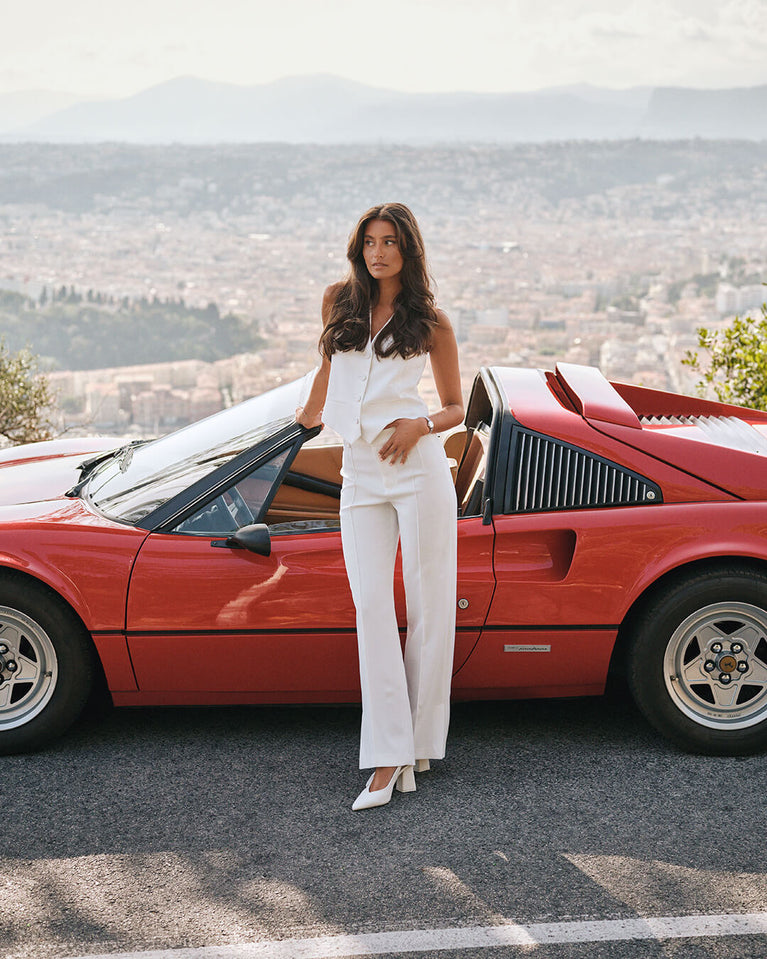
{"points": [[172, 829]]}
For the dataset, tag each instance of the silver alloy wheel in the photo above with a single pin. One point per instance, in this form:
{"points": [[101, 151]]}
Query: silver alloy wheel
{"points": [[28, 668], [715, 667]]}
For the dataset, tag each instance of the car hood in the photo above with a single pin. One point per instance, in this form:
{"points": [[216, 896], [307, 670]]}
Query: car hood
{"points": [[38, 472]]}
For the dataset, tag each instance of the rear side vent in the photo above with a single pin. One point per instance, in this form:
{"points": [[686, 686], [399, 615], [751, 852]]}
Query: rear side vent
{"points": [[550, 474]]}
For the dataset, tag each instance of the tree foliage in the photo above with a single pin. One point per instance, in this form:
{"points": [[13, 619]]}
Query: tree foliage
{"points": [[25, 398], [737, 361], [705, 285], [71, 331]]}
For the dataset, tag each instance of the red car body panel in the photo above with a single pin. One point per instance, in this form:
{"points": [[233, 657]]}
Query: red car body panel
{"points": [[646, 402], [535, 406], [84, 557], [740, 473], [82, 446], [537, 663], [565, 589], [38, 472], [593, 397], [257, 628], [597, 563]]}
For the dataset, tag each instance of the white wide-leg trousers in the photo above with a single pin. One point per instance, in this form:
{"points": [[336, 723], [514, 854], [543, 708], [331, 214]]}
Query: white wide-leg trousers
{"points": [[405, 699]]}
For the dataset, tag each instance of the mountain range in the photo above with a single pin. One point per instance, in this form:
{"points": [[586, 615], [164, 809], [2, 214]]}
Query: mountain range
{"points": [[327, 109]]}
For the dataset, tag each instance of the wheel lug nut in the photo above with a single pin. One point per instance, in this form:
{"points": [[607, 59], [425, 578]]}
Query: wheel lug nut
{"points": [[709, 666], [11, 666], [736, 647], [3, 648], [742, 666], [716, 647], [725, 678]]}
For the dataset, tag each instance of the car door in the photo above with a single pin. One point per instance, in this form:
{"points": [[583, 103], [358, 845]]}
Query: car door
{"points": [[562, 572], [207, 622]]}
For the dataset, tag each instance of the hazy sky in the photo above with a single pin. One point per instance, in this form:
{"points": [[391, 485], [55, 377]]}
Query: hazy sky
{"points": [[111, 48]]}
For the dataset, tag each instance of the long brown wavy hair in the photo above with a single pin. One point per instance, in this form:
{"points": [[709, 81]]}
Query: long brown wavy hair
{"points": [[409, 331]]}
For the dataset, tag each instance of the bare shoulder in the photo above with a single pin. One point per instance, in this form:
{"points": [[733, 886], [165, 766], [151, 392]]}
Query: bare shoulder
{"points": [[331, 293], [443, 322], [329, 297]]}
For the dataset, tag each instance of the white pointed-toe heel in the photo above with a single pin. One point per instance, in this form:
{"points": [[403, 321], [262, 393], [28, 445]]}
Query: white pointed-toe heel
{"points": [[422, 765], [402, 777]]}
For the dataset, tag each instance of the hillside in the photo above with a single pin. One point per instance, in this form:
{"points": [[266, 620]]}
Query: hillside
{"points": [[326, 109]]}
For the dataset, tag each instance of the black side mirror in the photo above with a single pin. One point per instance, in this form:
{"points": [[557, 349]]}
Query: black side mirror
{"points": [[255, 538]]}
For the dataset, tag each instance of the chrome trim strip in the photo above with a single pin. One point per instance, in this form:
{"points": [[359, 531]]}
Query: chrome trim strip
{"points": [[526, 648]]}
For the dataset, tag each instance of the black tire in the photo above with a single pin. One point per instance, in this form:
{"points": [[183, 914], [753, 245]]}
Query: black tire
{"points": [[697, 665], [47, 667]]}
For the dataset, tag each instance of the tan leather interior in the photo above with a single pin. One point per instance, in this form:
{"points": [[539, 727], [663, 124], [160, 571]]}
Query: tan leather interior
{"points": [[290, 503], [469, 469], [324, 463], [455, 444]]}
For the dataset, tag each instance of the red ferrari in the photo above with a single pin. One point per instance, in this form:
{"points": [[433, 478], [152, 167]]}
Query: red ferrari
{"points": [[600, 525]]}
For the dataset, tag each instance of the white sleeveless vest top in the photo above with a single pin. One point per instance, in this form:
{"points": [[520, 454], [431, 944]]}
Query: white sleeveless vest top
{"points": [[365, 392]]}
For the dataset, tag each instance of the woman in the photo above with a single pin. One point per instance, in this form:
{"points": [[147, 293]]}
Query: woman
{"points": [[379, 325]]}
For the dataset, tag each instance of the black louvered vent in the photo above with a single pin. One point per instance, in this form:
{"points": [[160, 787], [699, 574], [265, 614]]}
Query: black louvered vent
{"points": [[550, 474]]}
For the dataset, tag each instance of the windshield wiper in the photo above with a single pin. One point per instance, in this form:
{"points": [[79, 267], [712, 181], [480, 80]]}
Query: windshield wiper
{"points": [[125, 453]]}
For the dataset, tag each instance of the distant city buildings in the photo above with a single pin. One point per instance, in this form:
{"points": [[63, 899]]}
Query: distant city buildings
{"points": [[733, 299], [540, 253]]}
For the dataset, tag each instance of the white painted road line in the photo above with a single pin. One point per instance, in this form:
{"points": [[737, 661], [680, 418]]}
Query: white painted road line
{"points": [[470, 937]]}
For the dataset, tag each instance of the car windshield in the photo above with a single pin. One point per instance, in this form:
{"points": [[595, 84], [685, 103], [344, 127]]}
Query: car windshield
{"points": [[137, 480]]}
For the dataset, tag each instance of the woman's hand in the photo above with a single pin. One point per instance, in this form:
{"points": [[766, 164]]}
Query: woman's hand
{"points": [[306, 420], [406, 434], [444, 365]]}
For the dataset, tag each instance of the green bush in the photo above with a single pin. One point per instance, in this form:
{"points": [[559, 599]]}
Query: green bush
{"points": [[737, 365], [24, 398]]}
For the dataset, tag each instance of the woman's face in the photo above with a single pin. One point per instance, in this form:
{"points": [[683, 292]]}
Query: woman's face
{"points": [[381, 250]]}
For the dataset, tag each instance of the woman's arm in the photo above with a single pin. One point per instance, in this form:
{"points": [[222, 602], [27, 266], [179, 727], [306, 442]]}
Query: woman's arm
{"points": [[310, 414], [447, 377]]}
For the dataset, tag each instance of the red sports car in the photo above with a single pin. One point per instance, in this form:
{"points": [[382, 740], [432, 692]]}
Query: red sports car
{"points": [[599, 525]]}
